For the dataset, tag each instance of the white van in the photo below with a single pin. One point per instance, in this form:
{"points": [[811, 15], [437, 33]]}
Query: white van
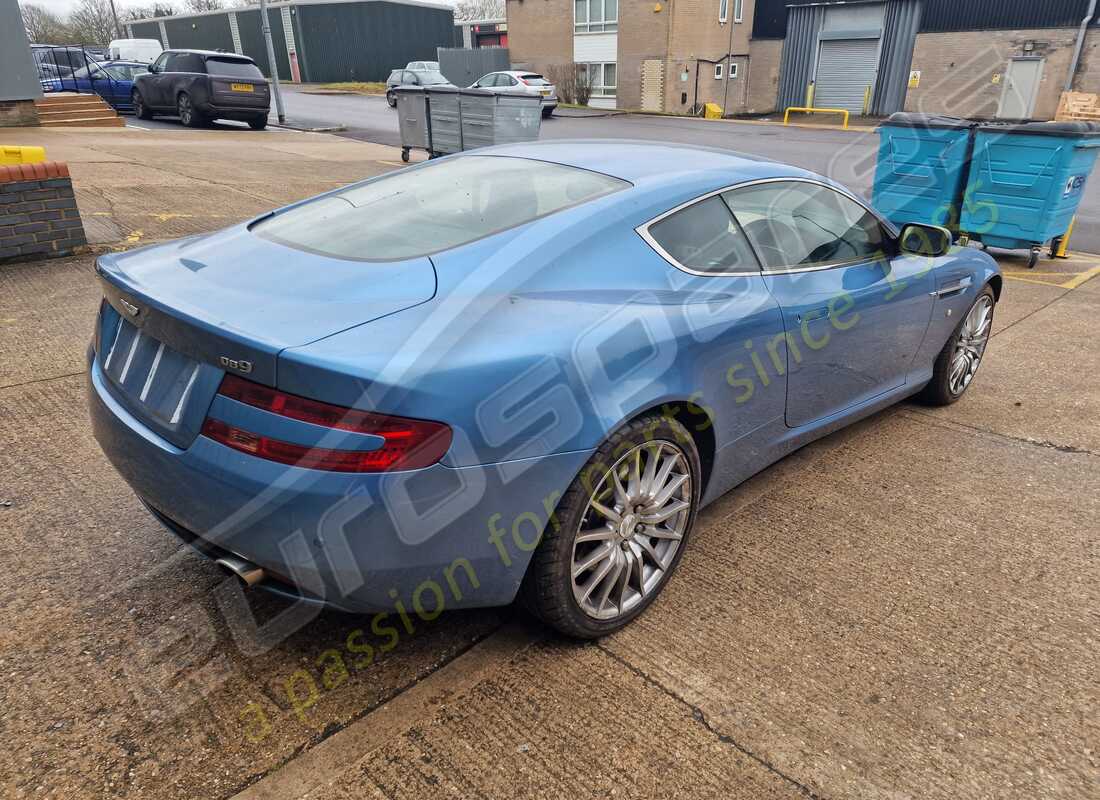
{"points": [[144, 50]]}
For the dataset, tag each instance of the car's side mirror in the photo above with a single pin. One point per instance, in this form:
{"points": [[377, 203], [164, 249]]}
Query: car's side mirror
{"points": [[153, 68], [925, 240]]}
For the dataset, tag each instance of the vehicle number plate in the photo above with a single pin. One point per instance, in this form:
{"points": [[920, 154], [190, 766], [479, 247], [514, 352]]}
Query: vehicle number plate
{"points": [[241, 87], [544, 92]]}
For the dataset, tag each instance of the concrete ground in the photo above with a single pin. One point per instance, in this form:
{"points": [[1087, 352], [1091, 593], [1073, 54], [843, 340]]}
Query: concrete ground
{"points": [[906, 608]]}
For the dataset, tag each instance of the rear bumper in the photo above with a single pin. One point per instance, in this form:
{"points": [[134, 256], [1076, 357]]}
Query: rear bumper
{"points": [[356, 542], [235, 112]]}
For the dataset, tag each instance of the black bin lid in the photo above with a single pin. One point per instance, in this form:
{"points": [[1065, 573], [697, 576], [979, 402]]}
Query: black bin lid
{"points": [[913, 119], [1068, 129]]}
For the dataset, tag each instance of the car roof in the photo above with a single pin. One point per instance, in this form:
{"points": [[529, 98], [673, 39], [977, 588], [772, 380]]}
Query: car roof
{"points": [[218, 53], [649, 162]]}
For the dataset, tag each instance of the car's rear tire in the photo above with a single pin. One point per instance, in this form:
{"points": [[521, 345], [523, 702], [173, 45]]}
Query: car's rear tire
{"points": [[258, 124], [547, 113], [391, 98], [958, 361], [141, 111], [190, 116], [591, 574]]}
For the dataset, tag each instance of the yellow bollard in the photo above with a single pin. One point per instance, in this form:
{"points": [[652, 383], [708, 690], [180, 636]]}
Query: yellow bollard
{"points": [[14, 154], [1063, 241]]}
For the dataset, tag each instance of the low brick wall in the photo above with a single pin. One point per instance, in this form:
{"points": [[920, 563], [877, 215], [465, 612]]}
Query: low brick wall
{"points": [[38, 213]]}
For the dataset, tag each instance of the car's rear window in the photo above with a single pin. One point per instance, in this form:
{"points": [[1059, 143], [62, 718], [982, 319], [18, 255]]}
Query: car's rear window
{"points": [[534, 80], [233, 68], [430, 78], [415, 212]]}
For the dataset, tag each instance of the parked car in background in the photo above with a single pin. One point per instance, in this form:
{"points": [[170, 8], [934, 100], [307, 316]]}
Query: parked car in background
{"points": [[57, 60], [421, 66], [203, 85], [525, 83], [144, 50], [111, 80], [413, 77]]}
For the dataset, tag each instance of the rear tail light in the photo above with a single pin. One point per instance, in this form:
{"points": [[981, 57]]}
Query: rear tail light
{"points": [[408, 443]]}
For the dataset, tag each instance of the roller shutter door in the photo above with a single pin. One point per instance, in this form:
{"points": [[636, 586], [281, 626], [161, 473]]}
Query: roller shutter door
{"points": [[845, 68]]}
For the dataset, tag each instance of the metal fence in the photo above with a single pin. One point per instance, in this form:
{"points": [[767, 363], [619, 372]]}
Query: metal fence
{"points": [[462, 67], [70, 68]]}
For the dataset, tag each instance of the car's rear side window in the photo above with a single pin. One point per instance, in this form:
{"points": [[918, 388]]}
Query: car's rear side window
{"points": [[185, 62], [233, 68], [415, 212], [704, 237]]}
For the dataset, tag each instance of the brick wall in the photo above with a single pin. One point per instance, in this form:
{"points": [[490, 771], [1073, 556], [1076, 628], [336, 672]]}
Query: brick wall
{"points": [[763, 75], [958, 69], [540, 33], [18, 114], [695, 34], [643, 34], [38, 213]]}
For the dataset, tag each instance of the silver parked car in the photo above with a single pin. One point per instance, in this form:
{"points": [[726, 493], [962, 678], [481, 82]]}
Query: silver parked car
{"points": [[515, 82], [412, 77]]}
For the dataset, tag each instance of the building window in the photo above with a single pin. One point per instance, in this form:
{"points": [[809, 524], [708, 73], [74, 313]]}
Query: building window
{"points": [[601, 77], [595, 16], [738, 11], [723, 10], [733, 70], [717, 72]]}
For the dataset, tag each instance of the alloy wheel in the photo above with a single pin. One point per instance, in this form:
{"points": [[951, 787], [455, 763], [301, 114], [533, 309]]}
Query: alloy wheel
{"points": [[184, 106], [631, 529], [971, 344]]}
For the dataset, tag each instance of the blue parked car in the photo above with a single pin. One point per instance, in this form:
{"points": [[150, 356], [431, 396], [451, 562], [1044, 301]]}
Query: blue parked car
{"points": [[517, 371], [111, 80]]}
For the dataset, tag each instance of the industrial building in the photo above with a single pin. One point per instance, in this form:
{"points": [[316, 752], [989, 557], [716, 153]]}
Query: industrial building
{"points": [[316, 41], [472, 34], [976, 58]]}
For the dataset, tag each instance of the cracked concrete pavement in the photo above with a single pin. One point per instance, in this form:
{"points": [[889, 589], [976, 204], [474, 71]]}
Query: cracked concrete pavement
{"points": [[907, 608]]}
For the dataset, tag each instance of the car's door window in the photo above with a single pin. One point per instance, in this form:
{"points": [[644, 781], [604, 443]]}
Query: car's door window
{"points": [[794, 224], [162, 63], [704, 237], [506, 80], [192, 63]]}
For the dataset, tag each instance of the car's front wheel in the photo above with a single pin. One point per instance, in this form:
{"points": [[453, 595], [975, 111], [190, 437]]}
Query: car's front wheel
{"points": [[391, 98], [141, 111], [189, 115], [619, 531], [958, 362]]}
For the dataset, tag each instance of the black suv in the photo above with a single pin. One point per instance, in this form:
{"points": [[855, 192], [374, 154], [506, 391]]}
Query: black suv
{"points": [[201, 85]]}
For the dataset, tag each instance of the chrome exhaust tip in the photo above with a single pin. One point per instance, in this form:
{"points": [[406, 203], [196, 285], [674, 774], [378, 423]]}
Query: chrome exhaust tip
{"points": [[250, 574]]}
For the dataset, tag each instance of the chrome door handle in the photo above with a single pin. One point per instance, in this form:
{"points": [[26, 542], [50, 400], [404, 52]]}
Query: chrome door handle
{"points": [[954, 288]]}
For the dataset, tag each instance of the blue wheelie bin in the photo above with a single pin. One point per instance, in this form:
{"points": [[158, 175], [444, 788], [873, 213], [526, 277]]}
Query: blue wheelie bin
{"points": [[1026, 181], [921, 168]]}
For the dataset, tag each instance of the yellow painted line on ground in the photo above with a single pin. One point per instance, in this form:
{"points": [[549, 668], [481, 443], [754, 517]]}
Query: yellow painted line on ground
{"points": [[1075, 279], [1082, 277]]}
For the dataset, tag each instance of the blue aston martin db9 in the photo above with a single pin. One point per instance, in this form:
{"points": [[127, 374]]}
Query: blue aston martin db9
{"points": [[519, 371]]}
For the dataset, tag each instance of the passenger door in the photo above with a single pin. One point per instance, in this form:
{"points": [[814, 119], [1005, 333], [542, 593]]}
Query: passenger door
{"points": [[854, 309], [155, 94], [730, 316]]}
